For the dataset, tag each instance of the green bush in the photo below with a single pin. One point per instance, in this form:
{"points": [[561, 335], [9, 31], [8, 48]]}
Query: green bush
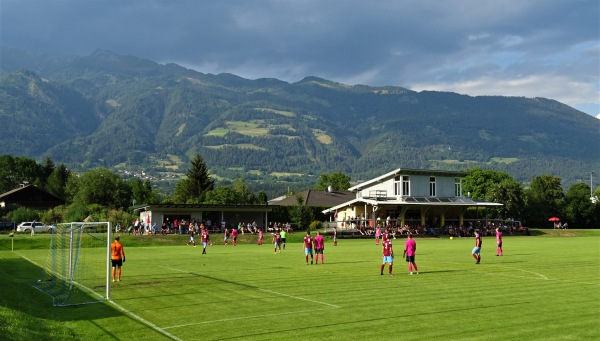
{"points": [[315, 225], [24, 214]]}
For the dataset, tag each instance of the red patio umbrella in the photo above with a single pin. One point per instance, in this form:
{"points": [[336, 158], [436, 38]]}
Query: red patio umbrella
{"points": [[554, 219]]}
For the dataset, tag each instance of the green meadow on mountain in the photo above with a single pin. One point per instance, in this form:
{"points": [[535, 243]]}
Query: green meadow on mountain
{"points": [[131, 114]]}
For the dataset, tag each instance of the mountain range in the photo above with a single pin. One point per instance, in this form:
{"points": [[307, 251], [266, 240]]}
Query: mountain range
{"points": [[132, 115]]}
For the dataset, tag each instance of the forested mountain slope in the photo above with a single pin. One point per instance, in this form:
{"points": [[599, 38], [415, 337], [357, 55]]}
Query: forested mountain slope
{"points": [[126, 112]]}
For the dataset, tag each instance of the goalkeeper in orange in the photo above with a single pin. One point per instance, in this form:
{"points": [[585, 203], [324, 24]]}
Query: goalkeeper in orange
{"points": [[117, 258]]}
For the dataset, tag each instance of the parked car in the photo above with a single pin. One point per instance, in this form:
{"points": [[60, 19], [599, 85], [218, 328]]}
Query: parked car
{"points": [[7, 226], [37, 226]]}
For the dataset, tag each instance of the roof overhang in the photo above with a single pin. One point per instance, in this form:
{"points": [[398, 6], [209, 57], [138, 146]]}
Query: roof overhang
{"points": [[202, 208], [418, 201]]}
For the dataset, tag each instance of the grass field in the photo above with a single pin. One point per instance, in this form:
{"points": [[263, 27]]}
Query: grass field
{"points": [[545, 287]]}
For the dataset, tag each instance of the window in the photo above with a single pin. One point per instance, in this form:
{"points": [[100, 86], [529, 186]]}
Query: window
{"points": [[432, 186], [405, 186], [457, 187], [397, 185]]}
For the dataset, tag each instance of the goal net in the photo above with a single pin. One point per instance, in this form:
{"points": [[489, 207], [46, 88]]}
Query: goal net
{"points": [[77, 269]]}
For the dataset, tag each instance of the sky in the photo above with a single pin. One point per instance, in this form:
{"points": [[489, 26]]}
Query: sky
{"points": [[532, 48]]}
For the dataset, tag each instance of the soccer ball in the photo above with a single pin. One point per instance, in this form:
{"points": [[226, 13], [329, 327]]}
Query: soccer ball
{"points": [[451, 238]]}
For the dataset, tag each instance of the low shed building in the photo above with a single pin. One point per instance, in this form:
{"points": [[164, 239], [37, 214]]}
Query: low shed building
{"points": [[216, 217]]}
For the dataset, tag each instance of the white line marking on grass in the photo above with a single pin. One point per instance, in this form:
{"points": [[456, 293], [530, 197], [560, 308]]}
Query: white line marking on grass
{"points": [[541, 277], [244, 318], [146, 322], [531, 272], [122, 309], [299, 298], [257, 288]]}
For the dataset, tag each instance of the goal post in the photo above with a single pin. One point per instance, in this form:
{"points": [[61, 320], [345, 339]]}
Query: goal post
{"points": [[78, 267]]}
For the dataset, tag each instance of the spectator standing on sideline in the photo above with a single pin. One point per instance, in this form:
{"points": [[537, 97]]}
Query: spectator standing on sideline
{"points": [[477, 249], [499, 242], [388, 256], [117, 258], [410, 248], [319, 242], [308, 244], [334, 236]]}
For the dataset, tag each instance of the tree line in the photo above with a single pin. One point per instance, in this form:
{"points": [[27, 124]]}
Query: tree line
{"points": [[102, 195]]}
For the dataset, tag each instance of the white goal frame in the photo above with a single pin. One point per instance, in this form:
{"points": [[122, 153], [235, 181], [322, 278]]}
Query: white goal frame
{"points": [[54, 281]]}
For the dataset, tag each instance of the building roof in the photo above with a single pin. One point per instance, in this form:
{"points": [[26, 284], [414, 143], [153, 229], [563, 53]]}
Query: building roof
{"points": [[31, 196], [406, 171], [201, 207], [418, 201], [316, 198]]}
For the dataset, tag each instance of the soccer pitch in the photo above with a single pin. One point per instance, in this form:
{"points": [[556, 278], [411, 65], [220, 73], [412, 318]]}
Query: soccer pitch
{"points": [[542, 288]]}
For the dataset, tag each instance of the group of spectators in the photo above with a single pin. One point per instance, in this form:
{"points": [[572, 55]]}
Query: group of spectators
{"points": [[183, 226], [274, 226]]}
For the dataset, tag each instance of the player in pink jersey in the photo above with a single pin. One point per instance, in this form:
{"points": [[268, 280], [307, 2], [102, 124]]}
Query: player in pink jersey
{"points": [[319, 243], [260, 237], [410, 248], [308, 244], [377, 234], [499, 242], [234, 234], [388, 256]]}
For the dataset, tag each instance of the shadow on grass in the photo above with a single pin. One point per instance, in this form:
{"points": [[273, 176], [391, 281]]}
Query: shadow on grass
{"points": [[19, 274]]}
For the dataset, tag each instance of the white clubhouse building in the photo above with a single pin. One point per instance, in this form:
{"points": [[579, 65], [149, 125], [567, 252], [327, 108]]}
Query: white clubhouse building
{"points": [[407, 196]]}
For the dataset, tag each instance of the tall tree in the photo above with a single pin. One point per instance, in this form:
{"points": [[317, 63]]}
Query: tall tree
{"points": [[16, 170], [100, 187], [580, 211], [338, 182], [509, 193], [245, 196], [142, 191], [221, 195], [480, 182], [47, 168], [544, 199], [300, 214], [57, 180], [193, 189]]}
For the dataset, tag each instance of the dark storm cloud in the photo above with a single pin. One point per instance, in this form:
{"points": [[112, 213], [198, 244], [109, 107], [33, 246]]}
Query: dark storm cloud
{"points": [[545, 48]]}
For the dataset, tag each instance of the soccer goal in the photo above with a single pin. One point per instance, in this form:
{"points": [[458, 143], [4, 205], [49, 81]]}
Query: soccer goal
{"points": [[77, 269]]}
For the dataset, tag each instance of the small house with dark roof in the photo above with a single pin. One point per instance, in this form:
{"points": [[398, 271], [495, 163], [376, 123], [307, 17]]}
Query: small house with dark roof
{"points": [[315, 198], [30, 196]]}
